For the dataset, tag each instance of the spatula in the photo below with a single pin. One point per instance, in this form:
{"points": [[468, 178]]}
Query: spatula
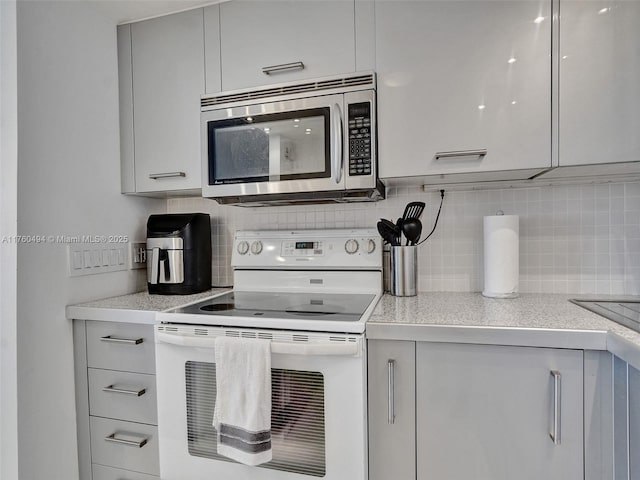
{"points": [[413, 210]]}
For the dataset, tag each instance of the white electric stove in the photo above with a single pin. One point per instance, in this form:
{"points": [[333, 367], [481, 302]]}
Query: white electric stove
{"points": [[310, 292]]}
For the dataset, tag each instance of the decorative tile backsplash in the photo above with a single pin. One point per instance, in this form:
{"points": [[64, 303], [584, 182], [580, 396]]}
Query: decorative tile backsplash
{"points": [[575, 239]]}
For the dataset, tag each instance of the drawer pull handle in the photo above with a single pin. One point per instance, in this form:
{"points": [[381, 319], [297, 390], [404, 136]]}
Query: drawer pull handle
{"points": [[557, 399], [130, 443], [283, 68], [156, 176], [391, 404], [463, 153], [135, 393], [127, 341]]}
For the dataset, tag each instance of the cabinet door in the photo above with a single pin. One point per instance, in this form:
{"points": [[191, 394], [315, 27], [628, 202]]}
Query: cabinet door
{"points": [[391, 394], [634, 423], [168, 80], [599, 79], [463, 76], [488, 412], [259, 34]]}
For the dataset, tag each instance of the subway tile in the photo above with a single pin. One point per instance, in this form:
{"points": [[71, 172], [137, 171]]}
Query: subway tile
{"points": [[567, 233]]}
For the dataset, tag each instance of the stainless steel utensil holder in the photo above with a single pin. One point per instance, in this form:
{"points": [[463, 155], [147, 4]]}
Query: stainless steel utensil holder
{"points": [[403, 271]]}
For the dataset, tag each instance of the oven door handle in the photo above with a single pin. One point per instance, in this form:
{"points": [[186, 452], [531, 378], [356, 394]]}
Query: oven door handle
{"points": [[343, 348]]}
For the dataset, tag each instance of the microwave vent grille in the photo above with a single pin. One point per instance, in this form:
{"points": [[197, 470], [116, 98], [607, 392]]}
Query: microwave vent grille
{"points": [[365, 80]]}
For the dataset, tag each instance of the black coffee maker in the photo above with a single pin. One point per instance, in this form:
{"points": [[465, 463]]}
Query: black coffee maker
{"points": [[178, 253]]}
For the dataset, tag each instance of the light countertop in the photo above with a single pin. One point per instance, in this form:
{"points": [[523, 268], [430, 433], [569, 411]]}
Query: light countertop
{"points": [[542, 320], [138, 307], [536, 320]]}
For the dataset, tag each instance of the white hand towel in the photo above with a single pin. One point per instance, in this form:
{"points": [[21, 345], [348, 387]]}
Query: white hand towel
{"points": [[242, 414]]}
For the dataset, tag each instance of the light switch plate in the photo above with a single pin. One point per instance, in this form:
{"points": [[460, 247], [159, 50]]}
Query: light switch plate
{"points": [[99, 257]]}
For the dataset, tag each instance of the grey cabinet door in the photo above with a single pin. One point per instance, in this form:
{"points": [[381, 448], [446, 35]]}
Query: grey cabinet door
{"points": [[259, 34], [168, 80], [634, 423], [486, 412], [463, 76], [598, 85], [391, 410]]}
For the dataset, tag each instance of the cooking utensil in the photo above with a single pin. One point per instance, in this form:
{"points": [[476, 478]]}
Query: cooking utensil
{"points": [[388, 232], [413, 210], [412, 229]]}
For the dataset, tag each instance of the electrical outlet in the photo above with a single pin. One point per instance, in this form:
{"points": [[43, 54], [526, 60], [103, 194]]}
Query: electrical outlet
{"points": [[138, 255]]}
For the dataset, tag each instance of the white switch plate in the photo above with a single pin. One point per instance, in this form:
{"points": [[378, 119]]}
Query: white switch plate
{"points": [[93, 258], [138, 255]]}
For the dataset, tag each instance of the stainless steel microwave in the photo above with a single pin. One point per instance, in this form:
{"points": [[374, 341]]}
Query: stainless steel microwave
{"points": [[311, 141]]}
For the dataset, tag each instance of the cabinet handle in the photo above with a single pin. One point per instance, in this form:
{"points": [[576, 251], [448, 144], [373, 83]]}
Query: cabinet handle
{"points": [[391, 376], [127, 341], [156, 176], [284, 67], [462, 153], [557, 391], [130, 443], [136, 393]]}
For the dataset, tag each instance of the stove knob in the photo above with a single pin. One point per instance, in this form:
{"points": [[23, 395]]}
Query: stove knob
{"points": [[243, 247], [351, 246], [256, 247], [371, 245]]}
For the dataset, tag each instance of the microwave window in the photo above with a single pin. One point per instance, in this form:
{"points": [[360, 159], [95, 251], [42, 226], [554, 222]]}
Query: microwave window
{"points": [[281, 146]]}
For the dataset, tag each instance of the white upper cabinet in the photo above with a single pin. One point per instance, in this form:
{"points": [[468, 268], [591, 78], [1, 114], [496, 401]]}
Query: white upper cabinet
{"points": [[599, 82], [260, 39], [168, 79], [463, 76]]}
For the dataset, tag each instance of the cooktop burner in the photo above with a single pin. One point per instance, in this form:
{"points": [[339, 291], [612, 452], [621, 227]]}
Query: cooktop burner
{"points": [[316, 306]]}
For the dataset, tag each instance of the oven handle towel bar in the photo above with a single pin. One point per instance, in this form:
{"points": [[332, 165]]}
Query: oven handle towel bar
{"points": [[346, 348]]}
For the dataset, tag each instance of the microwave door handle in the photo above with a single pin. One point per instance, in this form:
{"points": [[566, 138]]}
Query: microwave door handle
{"points": [[338, 159]]}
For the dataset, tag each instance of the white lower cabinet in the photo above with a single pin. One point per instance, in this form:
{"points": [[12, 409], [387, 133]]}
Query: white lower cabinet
{"points": [[392, 410], [116, 401], [495, 412], [626, 421], [453, 412]]}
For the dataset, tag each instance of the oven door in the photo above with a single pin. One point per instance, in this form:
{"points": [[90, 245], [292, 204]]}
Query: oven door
{"points": [[318, 406], [289, 146]]}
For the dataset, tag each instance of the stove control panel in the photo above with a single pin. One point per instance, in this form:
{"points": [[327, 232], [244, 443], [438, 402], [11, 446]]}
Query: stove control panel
{"points": [[344, 249], [302, 249]]}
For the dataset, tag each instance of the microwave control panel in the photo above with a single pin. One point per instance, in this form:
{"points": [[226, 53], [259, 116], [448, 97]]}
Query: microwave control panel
{"points": [[360, 139]]}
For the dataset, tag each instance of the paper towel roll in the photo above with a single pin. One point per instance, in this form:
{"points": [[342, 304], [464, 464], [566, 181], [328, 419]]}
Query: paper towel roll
{"points": [[501, 256]]}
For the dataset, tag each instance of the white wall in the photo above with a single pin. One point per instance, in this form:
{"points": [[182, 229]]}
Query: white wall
{"points": [[68, 184], [8, 251], [573, 238]]}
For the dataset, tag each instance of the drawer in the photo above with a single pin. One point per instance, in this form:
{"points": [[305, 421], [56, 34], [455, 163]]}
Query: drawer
{"points": [[119, 444], [123, 395], [100, 472], [121, 346]]}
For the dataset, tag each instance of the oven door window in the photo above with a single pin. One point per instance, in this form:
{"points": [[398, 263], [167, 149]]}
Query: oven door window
{"points": [[297, 418], [270, 147]]}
